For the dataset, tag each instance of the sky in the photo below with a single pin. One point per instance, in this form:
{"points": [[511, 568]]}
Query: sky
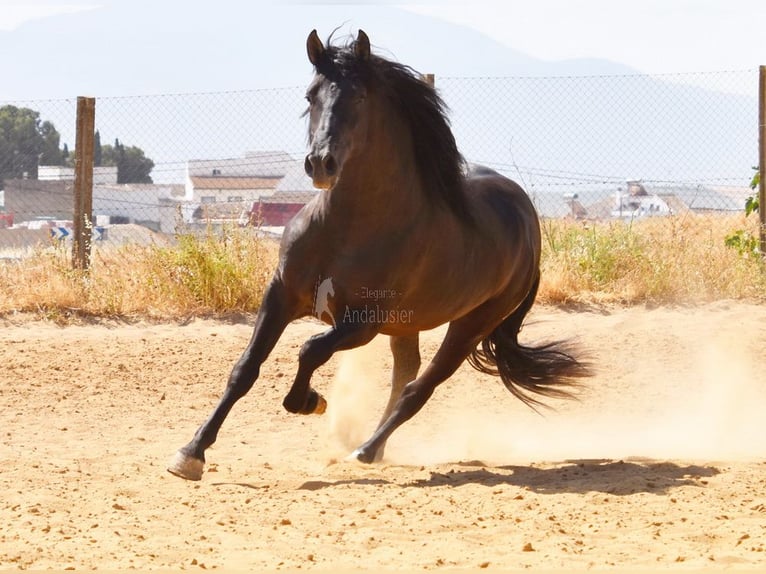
{"points": [[652, 36], [13, 13]]}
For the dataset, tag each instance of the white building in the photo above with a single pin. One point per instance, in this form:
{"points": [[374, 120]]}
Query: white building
{"points": [[101, 175], [638, 203], [241, 179], [155, 206]]}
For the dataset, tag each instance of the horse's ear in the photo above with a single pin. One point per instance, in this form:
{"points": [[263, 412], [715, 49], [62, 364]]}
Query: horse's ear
{"points": [[315, 48], [362, 46]]}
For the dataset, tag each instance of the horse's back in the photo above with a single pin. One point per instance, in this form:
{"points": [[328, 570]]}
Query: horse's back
{"points": [[499, 197]]}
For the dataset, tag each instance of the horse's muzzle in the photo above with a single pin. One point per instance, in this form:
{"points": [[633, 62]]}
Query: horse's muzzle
{"points": [[323, 170]]}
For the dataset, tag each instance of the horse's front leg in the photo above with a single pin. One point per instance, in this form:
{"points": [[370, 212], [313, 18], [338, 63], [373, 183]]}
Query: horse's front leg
{"points": [[274, 315], [316, 352]]}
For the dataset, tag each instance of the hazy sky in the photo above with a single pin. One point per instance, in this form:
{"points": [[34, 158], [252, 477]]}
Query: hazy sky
{"points": [[653, 36], [13, 13]]}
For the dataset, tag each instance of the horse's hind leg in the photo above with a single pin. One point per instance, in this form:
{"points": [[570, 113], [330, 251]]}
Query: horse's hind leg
{"points": [[273, 317], [462, 337], [406, 353]]}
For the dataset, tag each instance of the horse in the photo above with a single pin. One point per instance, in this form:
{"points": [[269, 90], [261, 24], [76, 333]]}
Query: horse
{"points": [[402, 236]]}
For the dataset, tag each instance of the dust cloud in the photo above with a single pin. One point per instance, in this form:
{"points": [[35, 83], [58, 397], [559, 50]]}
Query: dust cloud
{"points": [[692, 401]]}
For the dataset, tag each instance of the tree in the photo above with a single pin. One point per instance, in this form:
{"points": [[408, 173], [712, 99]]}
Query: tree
{"points": [[743, 240], [132, 165], [752, 203], [26, 142], [136, 167], [97, 150], [50, 153]]}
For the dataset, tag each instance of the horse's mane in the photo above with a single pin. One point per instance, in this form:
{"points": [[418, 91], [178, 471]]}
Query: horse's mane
{"points": [[441, 166]]}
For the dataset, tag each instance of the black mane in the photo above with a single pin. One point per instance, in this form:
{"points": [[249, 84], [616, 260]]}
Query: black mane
{"points": [[440, 164]]}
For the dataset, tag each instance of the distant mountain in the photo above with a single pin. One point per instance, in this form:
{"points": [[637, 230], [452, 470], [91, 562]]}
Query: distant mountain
{"points": [[603, 125], [170, 46]]}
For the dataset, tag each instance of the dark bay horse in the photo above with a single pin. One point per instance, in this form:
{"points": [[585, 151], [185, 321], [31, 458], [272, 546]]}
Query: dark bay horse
{"points": [[402, 237]]}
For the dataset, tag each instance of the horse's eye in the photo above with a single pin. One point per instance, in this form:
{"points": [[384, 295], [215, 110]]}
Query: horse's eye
{"points": [[311, 95]]}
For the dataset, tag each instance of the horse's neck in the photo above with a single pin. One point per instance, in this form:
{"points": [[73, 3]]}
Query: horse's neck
{"points": [[380, 188]]}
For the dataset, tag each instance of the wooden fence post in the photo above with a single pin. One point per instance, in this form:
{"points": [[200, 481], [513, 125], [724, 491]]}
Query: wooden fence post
{"points": [[429, 79], [762, 158], [83, 183]]}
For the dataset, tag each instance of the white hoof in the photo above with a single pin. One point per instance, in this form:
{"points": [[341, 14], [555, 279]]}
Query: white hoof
{"points": [[186, 466], [356, 456], [353, 457]]}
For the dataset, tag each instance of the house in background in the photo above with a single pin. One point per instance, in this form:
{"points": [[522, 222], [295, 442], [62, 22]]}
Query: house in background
{"points": [[647, 200], [102, 175], [639, 199], [156, 206], [638, 202], [222, 189], [52, 199], [216, 190], [292, 192], [265, 188], [704, 199], [33, 199]]}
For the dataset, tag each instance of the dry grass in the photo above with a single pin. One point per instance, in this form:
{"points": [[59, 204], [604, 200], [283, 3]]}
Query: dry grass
{"points": [[682, 259], [214, 274], [662, 260]]}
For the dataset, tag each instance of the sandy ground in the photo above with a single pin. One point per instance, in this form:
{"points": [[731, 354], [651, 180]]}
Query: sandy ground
{"points": [[661, 463]]}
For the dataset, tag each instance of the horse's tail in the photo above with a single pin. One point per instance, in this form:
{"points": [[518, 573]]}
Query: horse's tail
{"points": [[545, 370]]}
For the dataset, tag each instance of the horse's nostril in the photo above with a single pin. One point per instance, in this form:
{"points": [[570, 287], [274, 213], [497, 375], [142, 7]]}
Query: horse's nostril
{"points": [[330, 165], [308, 166]]}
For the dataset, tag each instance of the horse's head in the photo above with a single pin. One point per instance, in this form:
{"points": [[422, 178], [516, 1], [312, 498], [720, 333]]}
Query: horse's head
{"points": [[336, 96]]}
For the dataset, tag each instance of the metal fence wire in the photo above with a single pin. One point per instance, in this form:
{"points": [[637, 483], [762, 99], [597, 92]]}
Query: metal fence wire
{"points": [[589, 148]]}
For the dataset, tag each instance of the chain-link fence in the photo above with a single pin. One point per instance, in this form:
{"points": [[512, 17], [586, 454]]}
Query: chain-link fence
{"points": [[615, 146], [591, 148]]}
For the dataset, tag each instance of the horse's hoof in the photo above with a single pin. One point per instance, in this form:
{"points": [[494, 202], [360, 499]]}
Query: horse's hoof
{"points": [[353, 457], [321, 405], [185, 466], [359, 456]]}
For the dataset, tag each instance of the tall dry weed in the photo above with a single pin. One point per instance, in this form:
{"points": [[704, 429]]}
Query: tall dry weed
{"points": [[681, 259], [216, 273]]}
